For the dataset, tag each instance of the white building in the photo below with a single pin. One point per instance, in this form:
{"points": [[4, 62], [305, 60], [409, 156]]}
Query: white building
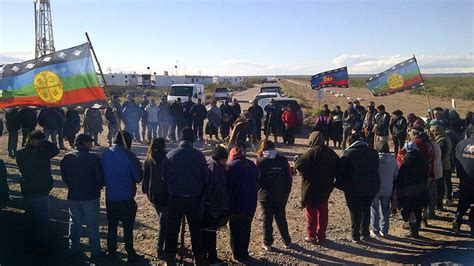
{"points": [[166, 81], [121, 79], [228, 80]]}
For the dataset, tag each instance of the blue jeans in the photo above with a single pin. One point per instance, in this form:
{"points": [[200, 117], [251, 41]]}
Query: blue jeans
{"points": [[134, 130], [53, 134], [152, 130], [84, 212], [37, 211], [380, 204]]}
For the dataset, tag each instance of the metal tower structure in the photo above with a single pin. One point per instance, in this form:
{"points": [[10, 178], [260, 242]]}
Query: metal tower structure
{"points": [[44, 41]]}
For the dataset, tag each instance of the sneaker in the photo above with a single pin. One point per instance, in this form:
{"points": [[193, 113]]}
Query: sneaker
{"points": [[266, 247], [373, 234], [382, 234], [456, 227]]}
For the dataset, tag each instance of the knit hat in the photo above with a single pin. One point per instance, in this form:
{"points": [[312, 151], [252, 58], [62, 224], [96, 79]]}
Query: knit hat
{"points": [[435, 122], [188, 134], [219, 153], [382, 146]]}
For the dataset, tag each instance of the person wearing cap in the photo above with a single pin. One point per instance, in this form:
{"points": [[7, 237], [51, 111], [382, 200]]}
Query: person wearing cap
{"points": [[257, 114], [274, 187], [398, 129], [13, 126], [154, 187], [412, 188], [359, 179], [131, 116], [445, 186], [122, 171], [93, 123], [198, 113], [81, 171], [186, 175], [272, 120], [242, 187], [216, 203], [348, 124], [36, 182], [465, 169], [72, 125], [164, 118], [28, 120], [380, 209], [381, 124]]}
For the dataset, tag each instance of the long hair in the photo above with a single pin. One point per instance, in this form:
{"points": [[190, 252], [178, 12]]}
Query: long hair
{"points": [[157, 144], [265, 145]]}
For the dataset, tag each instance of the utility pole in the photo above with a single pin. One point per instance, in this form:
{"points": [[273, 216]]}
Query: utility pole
{"points": [[44, 40]]}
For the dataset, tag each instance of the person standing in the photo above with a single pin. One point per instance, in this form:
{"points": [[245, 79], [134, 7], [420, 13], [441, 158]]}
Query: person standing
{"points": [[368, 124], [131, 116], [36, 182], [13, 126], [188, 118], [62, 119], [358, 178], [398, 129], [240, 130], [28, 121], [72, 125], [4, 190], [216, 203], [198, 113], [236, 110], [412, 188], [323, 124], [257, 114], [444, 188], [274, 187], [290, 120], [272, 120], [388, 172], [335, 130], [226, 115], [145, 102], [213, 120], [381, 124], [112, 115], [81, 171], [154, 187], [348, 123], [93, 123], [51, 121], [177, 120], [152, 120], [465, 169], [185, 175], [318, 168], [242, 187], [164, 118], [434, 174], [122, 171]]}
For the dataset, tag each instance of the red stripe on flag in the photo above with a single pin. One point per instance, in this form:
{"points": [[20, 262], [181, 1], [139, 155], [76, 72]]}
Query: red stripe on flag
{"points": [[78, 96]]}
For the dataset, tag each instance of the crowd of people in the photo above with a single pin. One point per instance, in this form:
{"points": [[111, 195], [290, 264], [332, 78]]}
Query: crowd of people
{"points": [[225, 188]]}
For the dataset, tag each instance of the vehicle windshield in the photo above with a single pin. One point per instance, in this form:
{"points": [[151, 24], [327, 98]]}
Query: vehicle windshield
{"points": [[259, 97], [270, 89], [181, 91], [221, 90], [284, 103]]}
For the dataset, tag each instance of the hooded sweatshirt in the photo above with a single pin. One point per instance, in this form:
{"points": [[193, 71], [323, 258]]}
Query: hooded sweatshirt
{"points": [[388, 171], [274, 178]]}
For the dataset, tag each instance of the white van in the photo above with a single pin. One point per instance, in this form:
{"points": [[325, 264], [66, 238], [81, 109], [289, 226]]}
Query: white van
{"points": [[183, 91]]}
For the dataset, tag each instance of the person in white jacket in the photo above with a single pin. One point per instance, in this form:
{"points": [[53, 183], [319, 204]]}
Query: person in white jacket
{"points": [[435, 174], [388, 171], [152, 119]]}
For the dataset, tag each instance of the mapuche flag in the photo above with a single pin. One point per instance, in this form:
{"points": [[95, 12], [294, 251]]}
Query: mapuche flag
{"points": [[63, 78], [332, 78], [403, 76]]}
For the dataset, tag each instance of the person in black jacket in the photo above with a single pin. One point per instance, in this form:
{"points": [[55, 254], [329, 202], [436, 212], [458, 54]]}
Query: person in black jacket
{"points": [[50, 119], [272, 120], [412, 188], [398, 129], [226, 116], [13, 126], [177, 120], [381, 124], [155, 189], [216, 203], [4, 190], [198, 113], [257, 114], [72, 125], [81, 171], [28, 121], [274, 187], [188, 118], [36, 182], [358, 178]]}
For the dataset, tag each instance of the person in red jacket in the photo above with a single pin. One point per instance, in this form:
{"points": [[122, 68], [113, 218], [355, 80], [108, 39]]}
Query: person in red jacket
{"points": [[289, 119]]}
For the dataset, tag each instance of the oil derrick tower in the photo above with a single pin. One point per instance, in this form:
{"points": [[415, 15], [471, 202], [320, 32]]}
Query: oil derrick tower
{"points": [[44, 41]]}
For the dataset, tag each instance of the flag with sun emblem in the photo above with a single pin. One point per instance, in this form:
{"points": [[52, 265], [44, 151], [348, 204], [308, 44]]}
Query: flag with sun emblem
{"points": [[63, 78], [332, 78], [403, 76]]}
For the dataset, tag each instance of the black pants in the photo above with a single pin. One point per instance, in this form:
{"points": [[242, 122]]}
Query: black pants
{"points": [[198, 128], [240, 226], [289, 135], [12, 142], [124, 211], [277, 210], [417, 211], [398, 142], [445, 188], [61, 137], [178, 207], [208, 237], [225, 129], [258, 128], [466, 199], [25, 132], [359, 207]]}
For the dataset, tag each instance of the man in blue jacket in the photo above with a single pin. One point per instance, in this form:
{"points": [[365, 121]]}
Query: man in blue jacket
{"points": [[82, 173], [186, 175], [122, 171]]}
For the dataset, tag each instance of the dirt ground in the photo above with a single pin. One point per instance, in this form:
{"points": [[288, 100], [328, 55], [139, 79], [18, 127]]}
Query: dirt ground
{"points": [[436, 245]]}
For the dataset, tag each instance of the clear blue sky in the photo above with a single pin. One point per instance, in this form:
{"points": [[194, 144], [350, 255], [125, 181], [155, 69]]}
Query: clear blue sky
{"points": [[253, 37]]}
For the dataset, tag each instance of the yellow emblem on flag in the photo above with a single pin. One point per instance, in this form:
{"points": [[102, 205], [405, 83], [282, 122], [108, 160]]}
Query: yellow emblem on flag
{"points": [[327, 79], [395, 81], [48, 86]]}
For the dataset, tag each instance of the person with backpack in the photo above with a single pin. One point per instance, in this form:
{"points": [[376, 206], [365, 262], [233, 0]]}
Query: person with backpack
{"points": [[216, 203], [242, 187], [318, 169], [274, 187], [154, 187]]}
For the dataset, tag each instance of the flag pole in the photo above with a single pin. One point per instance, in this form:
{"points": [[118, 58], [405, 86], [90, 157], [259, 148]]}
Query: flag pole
{"points": [[424, 87], [107, 93]]}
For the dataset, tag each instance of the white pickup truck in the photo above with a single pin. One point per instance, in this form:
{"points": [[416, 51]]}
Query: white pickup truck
{"points": [[222, 94]]}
